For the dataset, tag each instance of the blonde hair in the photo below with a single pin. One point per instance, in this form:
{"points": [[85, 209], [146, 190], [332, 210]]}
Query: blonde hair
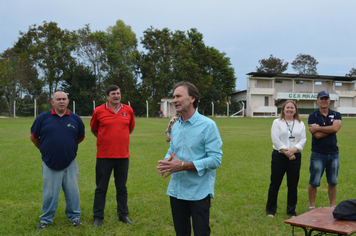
{"points": [[296, 115]]}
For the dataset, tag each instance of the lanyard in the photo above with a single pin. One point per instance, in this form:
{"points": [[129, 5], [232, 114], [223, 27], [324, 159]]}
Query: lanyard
{"points": [[289, 129]]}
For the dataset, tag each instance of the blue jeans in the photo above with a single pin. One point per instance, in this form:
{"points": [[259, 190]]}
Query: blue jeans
{"points": [[53, 181], [319, 163]]}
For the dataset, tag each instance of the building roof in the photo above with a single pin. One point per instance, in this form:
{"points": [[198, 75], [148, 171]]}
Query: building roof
{"points": [[237, 92], [299, 76]]}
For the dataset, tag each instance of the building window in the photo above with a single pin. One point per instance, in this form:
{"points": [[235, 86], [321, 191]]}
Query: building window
{"points": [[278, 81], [299, 82], [338, 84], [266, 101], [318, 83]]}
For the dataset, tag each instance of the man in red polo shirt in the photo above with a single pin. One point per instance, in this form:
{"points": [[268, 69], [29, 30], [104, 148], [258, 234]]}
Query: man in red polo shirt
{"points": [[112, 123]]}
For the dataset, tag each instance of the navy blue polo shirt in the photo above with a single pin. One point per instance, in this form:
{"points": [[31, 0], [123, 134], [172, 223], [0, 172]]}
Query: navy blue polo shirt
{"points": [[58, 137], [328, 144]]}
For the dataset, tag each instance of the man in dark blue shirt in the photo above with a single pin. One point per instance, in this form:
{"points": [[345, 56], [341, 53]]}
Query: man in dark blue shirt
{"points": [[323, 125], [57, 133]]}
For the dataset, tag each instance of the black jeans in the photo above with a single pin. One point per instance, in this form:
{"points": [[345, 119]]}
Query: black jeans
{"points": [[199, 210], [104, 167], [279, 166]]}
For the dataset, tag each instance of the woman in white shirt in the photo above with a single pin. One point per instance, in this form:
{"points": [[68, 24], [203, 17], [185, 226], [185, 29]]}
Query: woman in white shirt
{"points": [[288, 137]]}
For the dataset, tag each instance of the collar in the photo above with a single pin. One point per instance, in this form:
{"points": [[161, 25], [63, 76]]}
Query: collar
{"points": [[322, 113], [107, 105], [53, 112], [192, 119]]}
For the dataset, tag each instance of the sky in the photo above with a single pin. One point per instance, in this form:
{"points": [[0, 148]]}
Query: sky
{"points": [[247, 31]]}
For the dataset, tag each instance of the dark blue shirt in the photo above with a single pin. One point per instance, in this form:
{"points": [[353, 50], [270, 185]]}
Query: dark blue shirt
{"points": [[328, 144], [58, 137]]}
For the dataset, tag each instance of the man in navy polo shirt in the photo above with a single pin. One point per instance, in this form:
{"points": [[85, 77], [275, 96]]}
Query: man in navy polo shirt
{"points": [[57, 133], [323, 125]]}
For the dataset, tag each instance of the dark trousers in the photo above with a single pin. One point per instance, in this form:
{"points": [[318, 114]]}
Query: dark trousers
{"points": [[104, 167], [199, 210], [279, 166]]}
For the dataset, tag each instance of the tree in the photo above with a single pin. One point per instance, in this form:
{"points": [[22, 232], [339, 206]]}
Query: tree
{"points": [[170, 58], [90, 49], [121, 58], [305, 64], [198, 62], [223, 81], [50, 47], [156, 64], [173, 57], [272, 65], [80, 84], [17, 74], [352, 73]]}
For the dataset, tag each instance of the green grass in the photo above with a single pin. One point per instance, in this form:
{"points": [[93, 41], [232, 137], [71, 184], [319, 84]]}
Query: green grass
{"points": [[240, 190]]}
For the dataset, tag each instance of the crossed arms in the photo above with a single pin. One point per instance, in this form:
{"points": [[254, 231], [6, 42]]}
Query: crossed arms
{"points": [[323, 131]]}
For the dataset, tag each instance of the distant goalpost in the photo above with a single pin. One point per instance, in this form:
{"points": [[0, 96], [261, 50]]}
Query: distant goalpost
{"points": [[242, 111]]}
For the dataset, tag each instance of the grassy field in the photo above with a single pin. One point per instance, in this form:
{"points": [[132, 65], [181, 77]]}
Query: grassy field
{"points": [[240, 190]]}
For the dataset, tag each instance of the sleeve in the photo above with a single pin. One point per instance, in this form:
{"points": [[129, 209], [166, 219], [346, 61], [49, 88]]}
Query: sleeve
{"points": [[302, 138], [168, 154], [312, 119], [213, 148], [94, 123], [338, 116], [132, 123], [275, 135], [81, 133], [36, 127]]}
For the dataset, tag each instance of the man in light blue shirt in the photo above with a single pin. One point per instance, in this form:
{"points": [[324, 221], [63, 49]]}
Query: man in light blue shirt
{"points": [[194, 154]]}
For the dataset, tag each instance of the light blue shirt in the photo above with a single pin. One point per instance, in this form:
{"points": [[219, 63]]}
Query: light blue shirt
{"points": [[197, 140]]}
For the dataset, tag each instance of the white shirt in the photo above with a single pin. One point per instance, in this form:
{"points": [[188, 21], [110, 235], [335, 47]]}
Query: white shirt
{"points": [[280, 133]]}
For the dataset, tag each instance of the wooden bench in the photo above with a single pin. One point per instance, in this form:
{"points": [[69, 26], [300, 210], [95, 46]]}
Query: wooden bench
{"points": [[322, 220]]}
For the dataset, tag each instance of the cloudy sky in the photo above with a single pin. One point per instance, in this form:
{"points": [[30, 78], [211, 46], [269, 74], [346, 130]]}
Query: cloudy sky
{"points": [[247, 31]]}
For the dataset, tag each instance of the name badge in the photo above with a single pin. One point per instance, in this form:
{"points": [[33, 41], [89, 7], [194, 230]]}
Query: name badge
{"points": [[291, 139]]}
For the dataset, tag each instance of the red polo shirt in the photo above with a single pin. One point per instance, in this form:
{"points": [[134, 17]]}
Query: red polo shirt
{"points": [[113, 130]]}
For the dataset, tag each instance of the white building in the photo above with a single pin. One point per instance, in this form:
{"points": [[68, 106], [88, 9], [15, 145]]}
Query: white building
{"points": [[266, 93], [167, 107]]}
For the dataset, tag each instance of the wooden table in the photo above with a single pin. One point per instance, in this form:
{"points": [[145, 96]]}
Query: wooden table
{"points": [[322, 220]]}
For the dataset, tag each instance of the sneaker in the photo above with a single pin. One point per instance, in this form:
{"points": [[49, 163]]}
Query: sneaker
{"points": [[76, 222], [41, 225], [311, 208]]}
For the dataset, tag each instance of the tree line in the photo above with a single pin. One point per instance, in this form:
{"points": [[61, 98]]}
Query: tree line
{"points": [[83, 63], [303, 64], [46, 58]]}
